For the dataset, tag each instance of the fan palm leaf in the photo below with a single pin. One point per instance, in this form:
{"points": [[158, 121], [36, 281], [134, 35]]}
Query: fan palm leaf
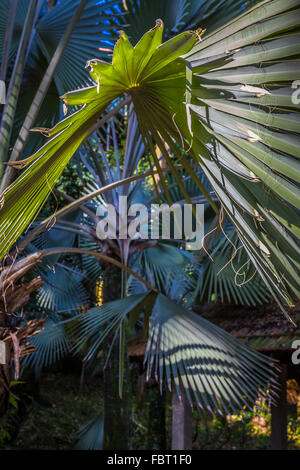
{"points": [[51, 345], [192, 353], [245, 131], [230, 276], [147, 59], [184, 349], [97, 21], [232, 151], [62, 291], [178, 15], [90, 435], [44, 63]]}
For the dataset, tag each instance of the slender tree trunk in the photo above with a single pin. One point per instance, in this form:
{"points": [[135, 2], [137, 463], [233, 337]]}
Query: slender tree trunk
{"points": [[117, 410], [156, 419], [181, 422], [279, 415]]}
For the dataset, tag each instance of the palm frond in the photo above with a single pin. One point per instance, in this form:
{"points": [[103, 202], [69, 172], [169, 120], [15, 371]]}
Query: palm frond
{"points": [[165, 267], [95, 31], [149, 63], [245, 130], [90, 435], [230, 276], [89, 265], [62, 291], [184, 349], [211, 366], [89, 330], [232, 151], [51, 345], [178, 15]]}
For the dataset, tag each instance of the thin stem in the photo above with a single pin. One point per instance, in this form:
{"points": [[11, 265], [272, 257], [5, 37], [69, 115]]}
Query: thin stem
{"points": [[85, 209], [78, 203], [108, 116]]}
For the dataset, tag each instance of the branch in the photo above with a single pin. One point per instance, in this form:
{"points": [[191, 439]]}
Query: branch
{"points": [[108, 259]]}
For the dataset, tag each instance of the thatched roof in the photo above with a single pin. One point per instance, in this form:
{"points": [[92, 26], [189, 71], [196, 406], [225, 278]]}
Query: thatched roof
{"points": [[264, 328]]}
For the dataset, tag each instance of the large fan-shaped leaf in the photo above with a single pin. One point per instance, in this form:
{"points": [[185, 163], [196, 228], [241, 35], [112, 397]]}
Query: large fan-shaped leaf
{"points": [[230, 276], [184, 349], [53, 41], [90, 435], [89, 264], [62, 291], [90, 329], [167, 268], [140, 70], [94, 31], [210, 365], [51, 345], [178, 15], [250, 186], [245, 130]]}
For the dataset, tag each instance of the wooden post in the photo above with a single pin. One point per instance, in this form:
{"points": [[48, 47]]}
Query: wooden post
{"points": [[279, 415], [181, 423]]}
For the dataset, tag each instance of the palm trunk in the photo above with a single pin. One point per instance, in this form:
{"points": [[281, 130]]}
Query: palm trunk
{"points": [[116, 410], [181, 422]]}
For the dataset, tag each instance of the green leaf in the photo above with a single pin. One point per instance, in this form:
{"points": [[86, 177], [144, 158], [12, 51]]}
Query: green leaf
{"points": [[24, 198], [241, 112]]}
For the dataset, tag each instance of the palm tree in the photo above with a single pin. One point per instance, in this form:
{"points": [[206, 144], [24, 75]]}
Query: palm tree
{"points": [[203, 99], [224, 86], [165, 267], [38, 43]]}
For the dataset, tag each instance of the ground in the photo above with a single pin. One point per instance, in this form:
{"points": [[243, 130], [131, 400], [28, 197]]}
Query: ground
{"points": [[53, 423]]}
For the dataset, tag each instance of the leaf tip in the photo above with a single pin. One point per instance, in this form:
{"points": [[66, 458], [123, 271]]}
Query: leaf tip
{"points": [[42, 130]]}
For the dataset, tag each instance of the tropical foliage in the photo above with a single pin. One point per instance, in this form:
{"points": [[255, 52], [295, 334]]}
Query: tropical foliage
{"points": [[175, 115]]}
